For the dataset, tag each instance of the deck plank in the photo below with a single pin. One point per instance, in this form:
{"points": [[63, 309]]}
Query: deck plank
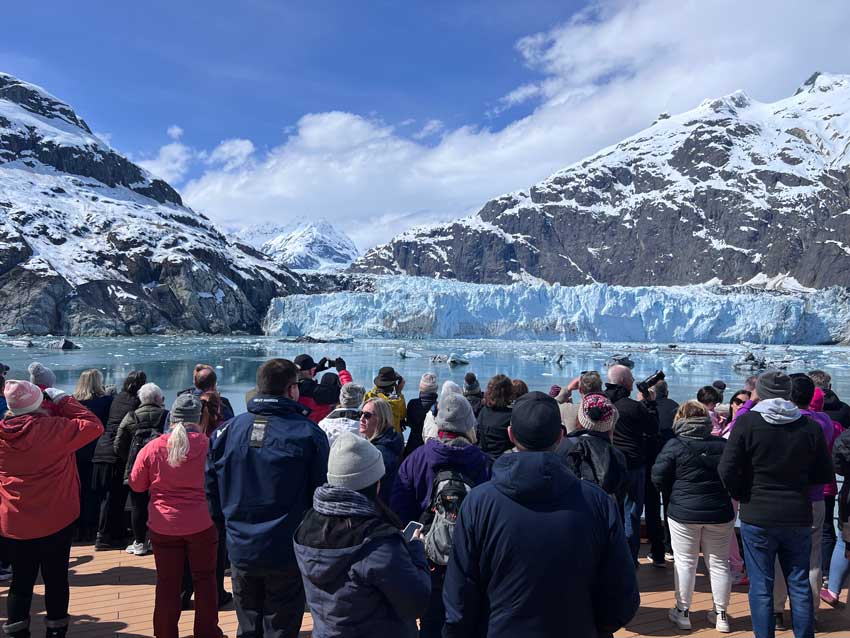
{"points": [[112, 594]]}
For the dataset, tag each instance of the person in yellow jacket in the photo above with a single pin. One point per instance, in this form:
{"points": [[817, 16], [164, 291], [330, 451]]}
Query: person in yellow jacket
{"points": [[388, 386]]}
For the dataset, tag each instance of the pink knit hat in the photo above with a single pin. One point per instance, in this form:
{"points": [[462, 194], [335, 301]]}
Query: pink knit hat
{"points": [[597, 414], [22, 397]]}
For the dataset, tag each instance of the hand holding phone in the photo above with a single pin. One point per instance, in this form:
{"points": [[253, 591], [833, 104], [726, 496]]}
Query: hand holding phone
{"points": [[411, 529]]}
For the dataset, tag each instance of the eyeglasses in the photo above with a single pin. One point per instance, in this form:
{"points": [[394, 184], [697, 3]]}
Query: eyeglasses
{"points": [[368, 415]]}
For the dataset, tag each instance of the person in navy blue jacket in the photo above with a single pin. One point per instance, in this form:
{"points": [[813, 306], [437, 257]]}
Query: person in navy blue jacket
{"points": [[263, 468], [537, 552]]}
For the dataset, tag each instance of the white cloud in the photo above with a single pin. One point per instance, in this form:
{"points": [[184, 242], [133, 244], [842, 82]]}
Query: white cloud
{"points": [[231, 153], [173, 160], [603, 76], [432, 127]]}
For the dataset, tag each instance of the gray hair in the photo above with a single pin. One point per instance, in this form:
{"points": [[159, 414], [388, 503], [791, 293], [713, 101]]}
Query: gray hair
{"points": [[151, 393], [821, 379], [351, 395]]}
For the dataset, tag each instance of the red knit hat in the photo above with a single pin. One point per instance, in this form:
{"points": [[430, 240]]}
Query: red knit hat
{"points": [[22, 397], [597, 413]]}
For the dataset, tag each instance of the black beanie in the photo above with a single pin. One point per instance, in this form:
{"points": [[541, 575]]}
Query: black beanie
{"points": [[536, 421]]}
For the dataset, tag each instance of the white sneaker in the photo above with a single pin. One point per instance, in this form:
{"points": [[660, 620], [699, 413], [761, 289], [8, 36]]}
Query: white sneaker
{"points": [[138, 549], [680, 618], [130, 548], [720, 621]]}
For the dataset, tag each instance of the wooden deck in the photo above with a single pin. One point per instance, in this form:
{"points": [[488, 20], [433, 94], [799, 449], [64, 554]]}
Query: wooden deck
{"points": [[112, 594]]}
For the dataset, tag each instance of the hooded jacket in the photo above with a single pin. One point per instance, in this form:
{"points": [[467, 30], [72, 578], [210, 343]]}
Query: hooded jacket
{"points": [[492, 430], [261, 473], [510, 572], [361, 577], [411, 494], [390, 444], [772, 459], [178, 502], [39, 485], [147, 419], [121, 405], [638, 423], [686, 468]]}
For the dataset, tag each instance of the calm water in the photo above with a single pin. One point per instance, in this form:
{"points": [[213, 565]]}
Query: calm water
{"points": [[168, 361]]}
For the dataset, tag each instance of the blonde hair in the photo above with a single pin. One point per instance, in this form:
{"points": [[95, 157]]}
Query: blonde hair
{"points": [[178, 444], [89, 385], [690, 409], [384, 413]]}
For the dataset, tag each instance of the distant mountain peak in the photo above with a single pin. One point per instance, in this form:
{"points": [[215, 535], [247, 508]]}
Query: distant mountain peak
{"points": [[313, 246]]}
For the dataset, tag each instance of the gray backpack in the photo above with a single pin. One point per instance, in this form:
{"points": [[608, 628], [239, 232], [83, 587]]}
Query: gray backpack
{"points": [[448, 491]]}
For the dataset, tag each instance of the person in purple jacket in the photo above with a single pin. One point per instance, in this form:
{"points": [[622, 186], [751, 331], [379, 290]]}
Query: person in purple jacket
{"points": [[802, 392], [453, 449]]}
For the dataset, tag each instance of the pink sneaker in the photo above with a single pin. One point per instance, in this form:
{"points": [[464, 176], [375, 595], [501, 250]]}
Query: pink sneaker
{"points": [[828, 597]]}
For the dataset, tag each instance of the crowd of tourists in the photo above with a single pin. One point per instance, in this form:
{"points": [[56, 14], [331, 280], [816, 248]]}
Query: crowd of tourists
{"points": [[464, 511]]}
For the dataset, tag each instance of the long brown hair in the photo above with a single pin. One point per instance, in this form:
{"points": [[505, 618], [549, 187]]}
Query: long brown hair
{"points": [[499, 392], [211, 412]]}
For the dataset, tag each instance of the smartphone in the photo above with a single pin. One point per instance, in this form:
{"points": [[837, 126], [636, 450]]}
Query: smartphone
{"points": [[410, 530]]}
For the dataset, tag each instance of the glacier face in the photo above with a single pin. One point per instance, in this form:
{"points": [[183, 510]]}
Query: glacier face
{"points": [[416, 307]]}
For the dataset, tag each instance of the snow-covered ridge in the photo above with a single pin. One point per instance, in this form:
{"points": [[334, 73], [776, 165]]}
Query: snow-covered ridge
{"points": [[416, 307], [732, 189], [314, 246]]}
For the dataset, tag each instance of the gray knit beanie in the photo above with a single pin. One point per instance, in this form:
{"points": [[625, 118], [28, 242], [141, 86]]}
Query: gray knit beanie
{"points": [[41, 375], [455, 415], [428, 383], [351, 395], [773, 384], [186, 409], [354, 463]]}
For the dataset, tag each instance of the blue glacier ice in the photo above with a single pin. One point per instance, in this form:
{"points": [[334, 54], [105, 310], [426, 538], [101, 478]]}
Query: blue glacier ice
{"points": [[417, 307]]}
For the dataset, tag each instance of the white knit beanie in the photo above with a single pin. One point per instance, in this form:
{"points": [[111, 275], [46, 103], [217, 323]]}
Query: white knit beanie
{"points": [[428, 382], [354, 463]]}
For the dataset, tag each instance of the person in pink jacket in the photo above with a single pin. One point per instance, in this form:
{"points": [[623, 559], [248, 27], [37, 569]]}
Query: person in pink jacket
{"points": [[40, 497], [171, 468]]}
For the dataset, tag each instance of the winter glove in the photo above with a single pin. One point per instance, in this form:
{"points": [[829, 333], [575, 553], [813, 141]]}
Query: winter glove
{"points": [[339, 364], [324, 364], [55, 394]]}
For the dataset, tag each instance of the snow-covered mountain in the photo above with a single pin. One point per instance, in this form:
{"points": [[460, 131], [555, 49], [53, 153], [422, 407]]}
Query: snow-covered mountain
{"points": [[314, 246], [415, 307], [91, 243], [734, 190]]}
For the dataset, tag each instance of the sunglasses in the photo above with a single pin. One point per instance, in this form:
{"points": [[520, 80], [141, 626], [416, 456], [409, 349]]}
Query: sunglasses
{"points": [[368, 415], [738, 401]]}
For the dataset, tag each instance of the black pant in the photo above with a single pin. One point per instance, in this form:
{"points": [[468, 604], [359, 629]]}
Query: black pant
{"points": [[220, 566], [109, 481], [89, 502], [139, 515], [829, 537], [431, 624], [49, 555], [652, 516], [269, 602]]}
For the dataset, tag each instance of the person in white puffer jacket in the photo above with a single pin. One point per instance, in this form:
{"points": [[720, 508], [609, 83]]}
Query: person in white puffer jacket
{"points": [[346, 416]]}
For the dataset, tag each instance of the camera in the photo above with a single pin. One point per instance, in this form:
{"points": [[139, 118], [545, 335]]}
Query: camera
{"points": [[651, 380]]}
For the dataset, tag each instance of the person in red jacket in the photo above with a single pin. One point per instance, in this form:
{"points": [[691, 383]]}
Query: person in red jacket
{"points": [[320, 396], [40, 497], [172, 469]]}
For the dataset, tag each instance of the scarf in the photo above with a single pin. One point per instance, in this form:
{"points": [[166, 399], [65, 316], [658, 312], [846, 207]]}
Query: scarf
{"points": [[694, 427], [331, 500]]}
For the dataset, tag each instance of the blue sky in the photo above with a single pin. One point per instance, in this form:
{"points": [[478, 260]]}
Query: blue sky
{"points": [[382, 115], [252, 68]]}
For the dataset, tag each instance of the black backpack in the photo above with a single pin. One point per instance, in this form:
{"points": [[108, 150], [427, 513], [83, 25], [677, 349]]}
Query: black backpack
{"points": [[592, 459], [449, 489], [141, 437]]}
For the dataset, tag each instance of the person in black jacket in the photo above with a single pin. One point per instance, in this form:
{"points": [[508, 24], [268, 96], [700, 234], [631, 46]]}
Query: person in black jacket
{"points": [[472, 392], [495, 416], [108, 473], [774, 456], [509, 573], [666, 412], [700, 511], [638, 423], [417, 410], [840, 564]]}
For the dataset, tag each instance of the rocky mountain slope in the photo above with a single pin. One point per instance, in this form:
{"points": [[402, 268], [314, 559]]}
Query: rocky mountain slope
{"points": [[315, 246], [733, 191], [91, 243]]}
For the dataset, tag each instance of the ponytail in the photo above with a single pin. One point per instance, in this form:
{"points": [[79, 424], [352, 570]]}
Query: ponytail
{"points": [[178, 444]]}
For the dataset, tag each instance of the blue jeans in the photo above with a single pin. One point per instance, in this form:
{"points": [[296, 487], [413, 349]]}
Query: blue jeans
{"points": [[839, 568], [632, 508], [761, 548]]}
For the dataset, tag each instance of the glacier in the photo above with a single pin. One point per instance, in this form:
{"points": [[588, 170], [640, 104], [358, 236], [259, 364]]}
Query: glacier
{"points": [[420, 307]]}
